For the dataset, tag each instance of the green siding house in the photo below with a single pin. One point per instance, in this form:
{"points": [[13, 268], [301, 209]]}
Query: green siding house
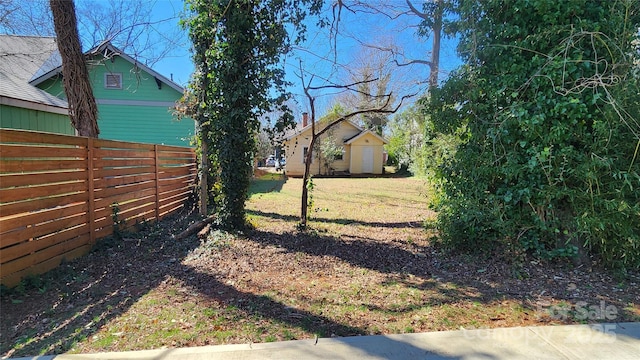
{"points": [[134, 102], [24, 106]]}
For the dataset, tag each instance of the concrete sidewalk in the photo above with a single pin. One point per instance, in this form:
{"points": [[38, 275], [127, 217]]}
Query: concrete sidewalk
{"points": [[598, 341]]}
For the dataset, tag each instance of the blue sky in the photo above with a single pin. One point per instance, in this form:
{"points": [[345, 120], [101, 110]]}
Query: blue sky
{"points": [[179, 62], [357, 33]]}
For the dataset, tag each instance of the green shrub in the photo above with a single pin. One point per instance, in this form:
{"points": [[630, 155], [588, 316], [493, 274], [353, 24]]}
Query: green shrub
{"points": [[546, 111]]}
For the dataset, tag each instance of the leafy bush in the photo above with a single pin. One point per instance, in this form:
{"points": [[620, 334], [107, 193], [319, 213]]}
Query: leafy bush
{"points": [[546, 109]]}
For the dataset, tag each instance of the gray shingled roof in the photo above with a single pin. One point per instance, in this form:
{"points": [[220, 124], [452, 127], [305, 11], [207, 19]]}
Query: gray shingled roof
{"points": [[20, 58]]}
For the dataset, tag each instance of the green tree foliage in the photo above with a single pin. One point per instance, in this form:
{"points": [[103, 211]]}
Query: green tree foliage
{"points": [[406, 140], [326, 148], [238, 46], [330, 151], [547, 108], [414, 145]]}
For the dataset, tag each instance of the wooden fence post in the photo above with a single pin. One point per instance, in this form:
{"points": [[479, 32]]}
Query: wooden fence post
{"points": [[204, 168], [157, 178], [91, 192]]}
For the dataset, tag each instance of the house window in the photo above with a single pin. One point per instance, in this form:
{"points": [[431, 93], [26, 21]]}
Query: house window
{"points": [[304, 153], [113, 81], [340, 156]]}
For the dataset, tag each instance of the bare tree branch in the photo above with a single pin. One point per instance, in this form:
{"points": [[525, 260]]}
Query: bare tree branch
{"points": [[382, 109], [338, 86], [416, 11], [128, 24], [412, 62]]}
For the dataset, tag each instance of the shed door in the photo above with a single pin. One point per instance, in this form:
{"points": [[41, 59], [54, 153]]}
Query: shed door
{"points": [[367, 160]]}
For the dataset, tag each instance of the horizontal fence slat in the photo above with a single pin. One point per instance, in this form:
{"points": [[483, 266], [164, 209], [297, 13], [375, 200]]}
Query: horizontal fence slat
{"points": [[14, 166], [105, 231], [176, 167], [177, 154], [133, 212], [123, 153], [174, 184], [41, 178], [43, 229], [124, 209], [165, 178], [50, 264], [122, 180], [188, 181], [35, 137], [45, 254], [175, 178], [174, 148], [9, 223], [39, 191], [182, 197], [25, 248], [42, 203], [167, 194], [141, 217], [174, 161], [114, 144], [107, 201], [168, 210], [102, 173], [106, 192], [103, 223], [114, 163], [19, 151]]}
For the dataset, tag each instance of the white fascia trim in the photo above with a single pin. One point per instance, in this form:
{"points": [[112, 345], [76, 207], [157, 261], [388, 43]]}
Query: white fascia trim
{"points": [[33, 105]]}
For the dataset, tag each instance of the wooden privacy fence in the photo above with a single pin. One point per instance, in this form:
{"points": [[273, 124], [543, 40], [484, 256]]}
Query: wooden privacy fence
{"points": [[59, 194]]}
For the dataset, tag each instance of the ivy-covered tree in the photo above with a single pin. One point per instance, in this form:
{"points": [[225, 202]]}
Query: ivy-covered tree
{"points": [[238, 46], [547, 102]]}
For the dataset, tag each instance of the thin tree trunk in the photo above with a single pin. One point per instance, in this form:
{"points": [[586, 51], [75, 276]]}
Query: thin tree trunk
{"points": [[435, 52], [307, 164], [83, 110], [434, 64], [305, 180]]}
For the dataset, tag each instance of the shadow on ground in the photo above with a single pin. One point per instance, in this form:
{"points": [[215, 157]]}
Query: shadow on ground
{"points": [[72, 303], [375, 224]]}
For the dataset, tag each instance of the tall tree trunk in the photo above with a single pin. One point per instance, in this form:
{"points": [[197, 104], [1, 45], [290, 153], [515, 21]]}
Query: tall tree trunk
{"points": [[434, 64], [435, 51], [83, 110]]}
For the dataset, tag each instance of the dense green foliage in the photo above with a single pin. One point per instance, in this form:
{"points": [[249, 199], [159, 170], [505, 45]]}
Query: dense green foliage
{"points": [[406, 140], [330, 150], [547, 109], [238, 48], [415, 145]]}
